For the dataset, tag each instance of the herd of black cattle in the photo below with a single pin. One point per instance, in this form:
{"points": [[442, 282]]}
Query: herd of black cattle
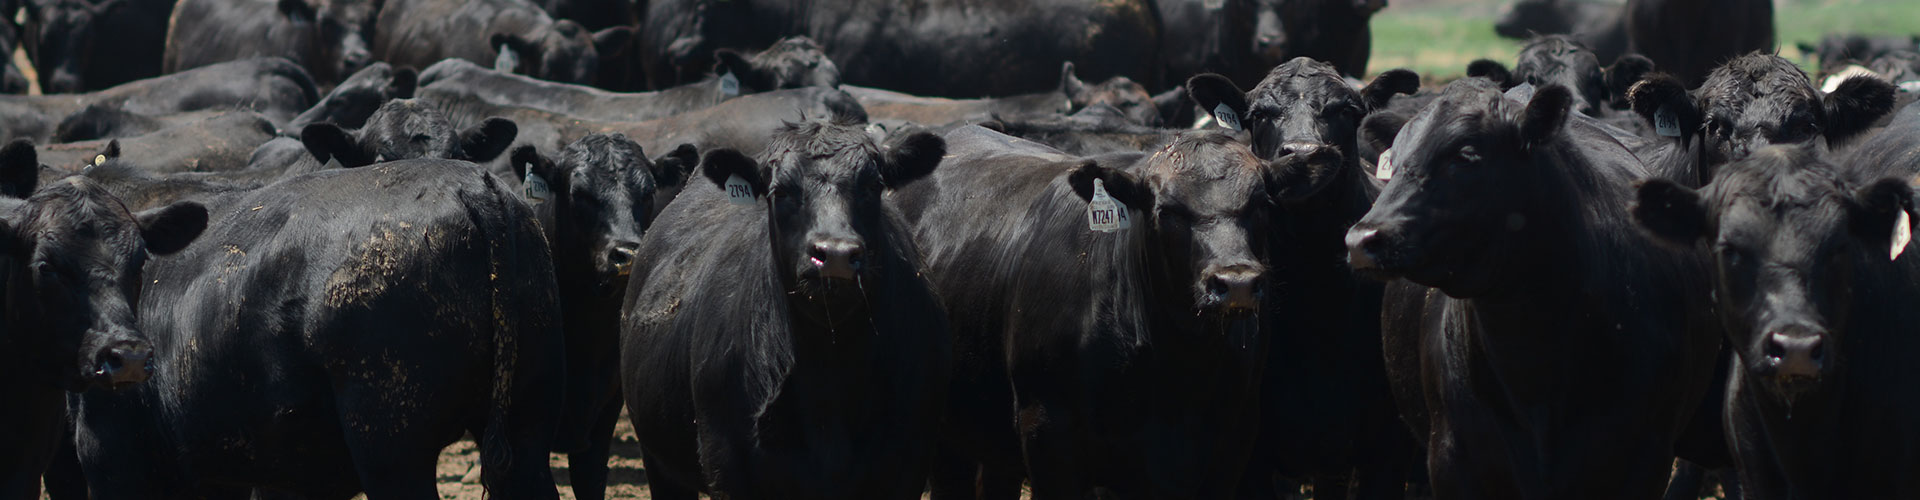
{"points": [[251, 251]]}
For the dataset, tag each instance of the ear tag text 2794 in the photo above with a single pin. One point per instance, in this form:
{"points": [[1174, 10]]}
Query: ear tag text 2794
{"points": [[729, 84], [1225, 116], [738, 191], [534, 187], [1666, 123]]}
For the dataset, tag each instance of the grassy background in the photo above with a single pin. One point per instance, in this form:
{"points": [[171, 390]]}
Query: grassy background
{"points": [[1437, 38]]}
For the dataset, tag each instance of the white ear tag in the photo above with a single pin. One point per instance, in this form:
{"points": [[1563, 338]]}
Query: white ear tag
{"points": [[1105, 214], [506, 61], [99, 160], [534, 187], [729, 84], [1911, 86], [1224, 115], [1902, 234], [1383, 169], [333, 163], [738, 191], [1666, 123]]}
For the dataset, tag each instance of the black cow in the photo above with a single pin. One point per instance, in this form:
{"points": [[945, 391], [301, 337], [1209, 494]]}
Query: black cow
{"points": [[328, 39], [949, 48], [211, 143], [273, 87], [594, 203], [1213, 36], [1122, 94], [792, 63], [1600, 25], [1689, 38], [408, 128], [12, 80], [1335, 31], [1838, 48], [1756, 100], [1563, 60], [1818, 306], [510, 35], [72, 269], [1559, 352], [778, 340], [1327, 413], [330, 333], [1128, 361], [81, 45], [351, 102]]}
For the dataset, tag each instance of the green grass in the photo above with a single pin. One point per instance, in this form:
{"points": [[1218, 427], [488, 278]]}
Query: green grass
{"points": [[1437, 38]]}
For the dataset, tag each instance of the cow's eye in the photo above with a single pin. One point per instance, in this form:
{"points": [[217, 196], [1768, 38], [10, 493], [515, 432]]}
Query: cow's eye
{"points": [[1732, 257], [1467, 156]]}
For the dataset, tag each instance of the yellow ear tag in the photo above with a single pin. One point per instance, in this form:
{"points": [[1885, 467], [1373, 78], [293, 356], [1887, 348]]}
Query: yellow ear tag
{"points": [[99, 160]]}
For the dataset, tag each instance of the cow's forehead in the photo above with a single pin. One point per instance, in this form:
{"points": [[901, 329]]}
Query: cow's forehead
{"points": [[1210, 169]]}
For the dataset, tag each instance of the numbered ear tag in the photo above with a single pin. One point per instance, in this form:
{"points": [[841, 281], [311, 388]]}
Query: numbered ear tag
{"points": [[99, 160], [1225, 116], [1383, 169], [1666, 123], [1902, 234], [1105, 214], [729, 84], [534, 187], [738, 191]]}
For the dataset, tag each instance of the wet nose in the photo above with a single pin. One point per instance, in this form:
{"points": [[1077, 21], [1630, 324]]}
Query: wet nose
{"points": [[620, 257], [125, 362], [1795, 356], [1235, 288], [1302, 149], [1269, 42], [835, 258], [1361, 248]]}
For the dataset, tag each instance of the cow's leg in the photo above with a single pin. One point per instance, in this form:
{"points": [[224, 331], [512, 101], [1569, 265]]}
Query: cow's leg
{"points": [[1685, 484], [1047, 441], [587, 469], [954, 477], [393, 469], [1331, 486], [1257, 484], [998, 483], [660, 485]]}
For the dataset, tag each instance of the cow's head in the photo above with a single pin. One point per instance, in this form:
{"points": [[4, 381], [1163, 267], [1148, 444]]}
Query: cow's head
{"points": [[1561, 60], [404, 129], [823, 186], [354, 100], [1304, 115], [1207, 200], [338, 31], [562, 51], [1329, 30], [791, 63], [1789, 235], [1756, 100], [600, 198], [1468, 175], [73, 256], [60, 36], [1122, 94]]}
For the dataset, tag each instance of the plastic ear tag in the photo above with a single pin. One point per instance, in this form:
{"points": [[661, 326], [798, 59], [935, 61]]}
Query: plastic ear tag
{"points": [[534, 187], [1666, 123], [1902, 234], [1105, 214], [738, 191], [99, 160], [729, 84], [1912, 86], [1383, 169], [1224, 115], [333, 163], [1213, 4], [507, 61]]}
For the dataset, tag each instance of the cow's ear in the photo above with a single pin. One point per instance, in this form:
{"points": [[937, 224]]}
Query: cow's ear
{"points": [[170, 228], [1380, 129], [1211, 91], [1669, 212], [722, 164], [612, 42], [1491, 70], [484, 142], [19, 169], [1620, 77], [727, 61], [405, 81], [1876, 216], [1661, 91], [912, 157], [1122, 186], [297, 10], [672, 169], [1380, 91], [1854, 106], [1546, 114], [1070, 83], [528, 158], [1175, 109], [326, 141]]}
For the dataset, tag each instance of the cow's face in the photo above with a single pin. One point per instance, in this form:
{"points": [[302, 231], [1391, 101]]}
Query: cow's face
{"points": [[1558, 59], [1320, 29], [823, 184], [791, 63], [1303, 114], [339, 34], [602, 190], [1466, 174], [563, 51], [1758, 100], [1787, 235], [1123, 95], [354, 100], [74, 255], [1208, 199], [60, 36], [405, 129]]}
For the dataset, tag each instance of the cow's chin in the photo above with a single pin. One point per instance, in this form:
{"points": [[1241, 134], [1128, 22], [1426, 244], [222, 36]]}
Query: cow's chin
{"points": [[828, 300]]}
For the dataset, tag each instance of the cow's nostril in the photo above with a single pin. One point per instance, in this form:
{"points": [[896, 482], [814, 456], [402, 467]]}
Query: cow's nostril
{"points": [[622, 256], [836, 258]]}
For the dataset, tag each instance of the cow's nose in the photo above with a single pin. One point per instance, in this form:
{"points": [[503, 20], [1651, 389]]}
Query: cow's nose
{"points": [[621, 256], [354, 60], [1269, 43], [1236, 289], [1304, 150], [63, 83], [835, 258], [125, 362], [1361, 247], [1795, 356]]}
